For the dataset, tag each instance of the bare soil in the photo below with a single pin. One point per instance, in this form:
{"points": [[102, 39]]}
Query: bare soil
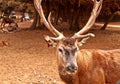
{"points": [[28, 60]]}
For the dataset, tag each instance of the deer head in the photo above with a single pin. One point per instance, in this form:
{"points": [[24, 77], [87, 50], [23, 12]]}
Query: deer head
{"points": [[67, 47]]}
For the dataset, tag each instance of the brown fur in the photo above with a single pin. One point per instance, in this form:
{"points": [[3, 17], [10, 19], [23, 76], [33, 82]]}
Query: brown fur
{"points": [[94, 67]]}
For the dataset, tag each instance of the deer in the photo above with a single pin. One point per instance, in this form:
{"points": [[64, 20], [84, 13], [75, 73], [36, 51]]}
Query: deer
{"points": [[13, 26], [82, 66], [6, 20]]}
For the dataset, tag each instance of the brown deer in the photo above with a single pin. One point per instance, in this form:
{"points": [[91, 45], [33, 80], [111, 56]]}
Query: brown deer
{"points": [[82, 66], [11, 27], [6, 20]]}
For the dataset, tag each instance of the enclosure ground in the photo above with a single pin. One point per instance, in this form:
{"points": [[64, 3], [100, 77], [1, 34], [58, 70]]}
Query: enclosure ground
{"points": [[28, 60]]}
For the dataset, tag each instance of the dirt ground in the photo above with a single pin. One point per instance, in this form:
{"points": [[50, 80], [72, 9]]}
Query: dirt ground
{"points": [[28, 60]]}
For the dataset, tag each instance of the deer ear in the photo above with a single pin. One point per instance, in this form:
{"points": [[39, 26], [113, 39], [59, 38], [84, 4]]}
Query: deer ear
{"points": [[83, 41], [51, 42]]}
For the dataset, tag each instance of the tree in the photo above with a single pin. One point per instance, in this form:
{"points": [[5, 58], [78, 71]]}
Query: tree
{"points": [[74, 12], [110, 9]]}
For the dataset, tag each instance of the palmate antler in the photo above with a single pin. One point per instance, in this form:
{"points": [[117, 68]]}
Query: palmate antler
{"points": [[95, 12]]}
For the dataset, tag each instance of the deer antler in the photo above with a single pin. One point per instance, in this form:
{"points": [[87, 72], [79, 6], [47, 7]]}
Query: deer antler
{"points": [[95, 12], [48, 24]]}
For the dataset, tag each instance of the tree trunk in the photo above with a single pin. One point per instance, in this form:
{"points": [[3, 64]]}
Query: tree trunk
{"points": [[33, 26], [108, 20], [36, 22], [71, 20], [57, 15], [76, 19]]}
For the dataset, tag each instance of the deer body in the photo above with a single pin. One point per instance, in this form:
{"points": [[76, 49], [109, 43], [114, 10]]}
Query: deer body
{"points": [[94, 67]]}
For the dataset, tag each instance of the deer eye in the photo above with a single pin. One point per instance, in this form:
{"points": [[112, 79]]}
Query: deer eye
{"points": [[60, 50]]}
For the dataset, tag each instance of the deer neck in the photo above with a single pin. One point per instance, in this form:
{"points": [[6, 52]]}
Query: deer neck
{"points": [[84, 59]]}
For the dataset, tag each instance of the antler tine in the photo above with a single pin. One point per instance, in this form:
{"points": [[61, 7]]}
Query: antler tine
{"points": [[95, 12], [38, 6], [60, 34], [83, 36]]}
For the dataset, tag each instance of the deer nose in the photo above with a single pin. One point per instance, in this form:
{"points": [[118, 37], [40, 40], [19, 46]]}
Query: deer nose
{"points": [[72, 69]]}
